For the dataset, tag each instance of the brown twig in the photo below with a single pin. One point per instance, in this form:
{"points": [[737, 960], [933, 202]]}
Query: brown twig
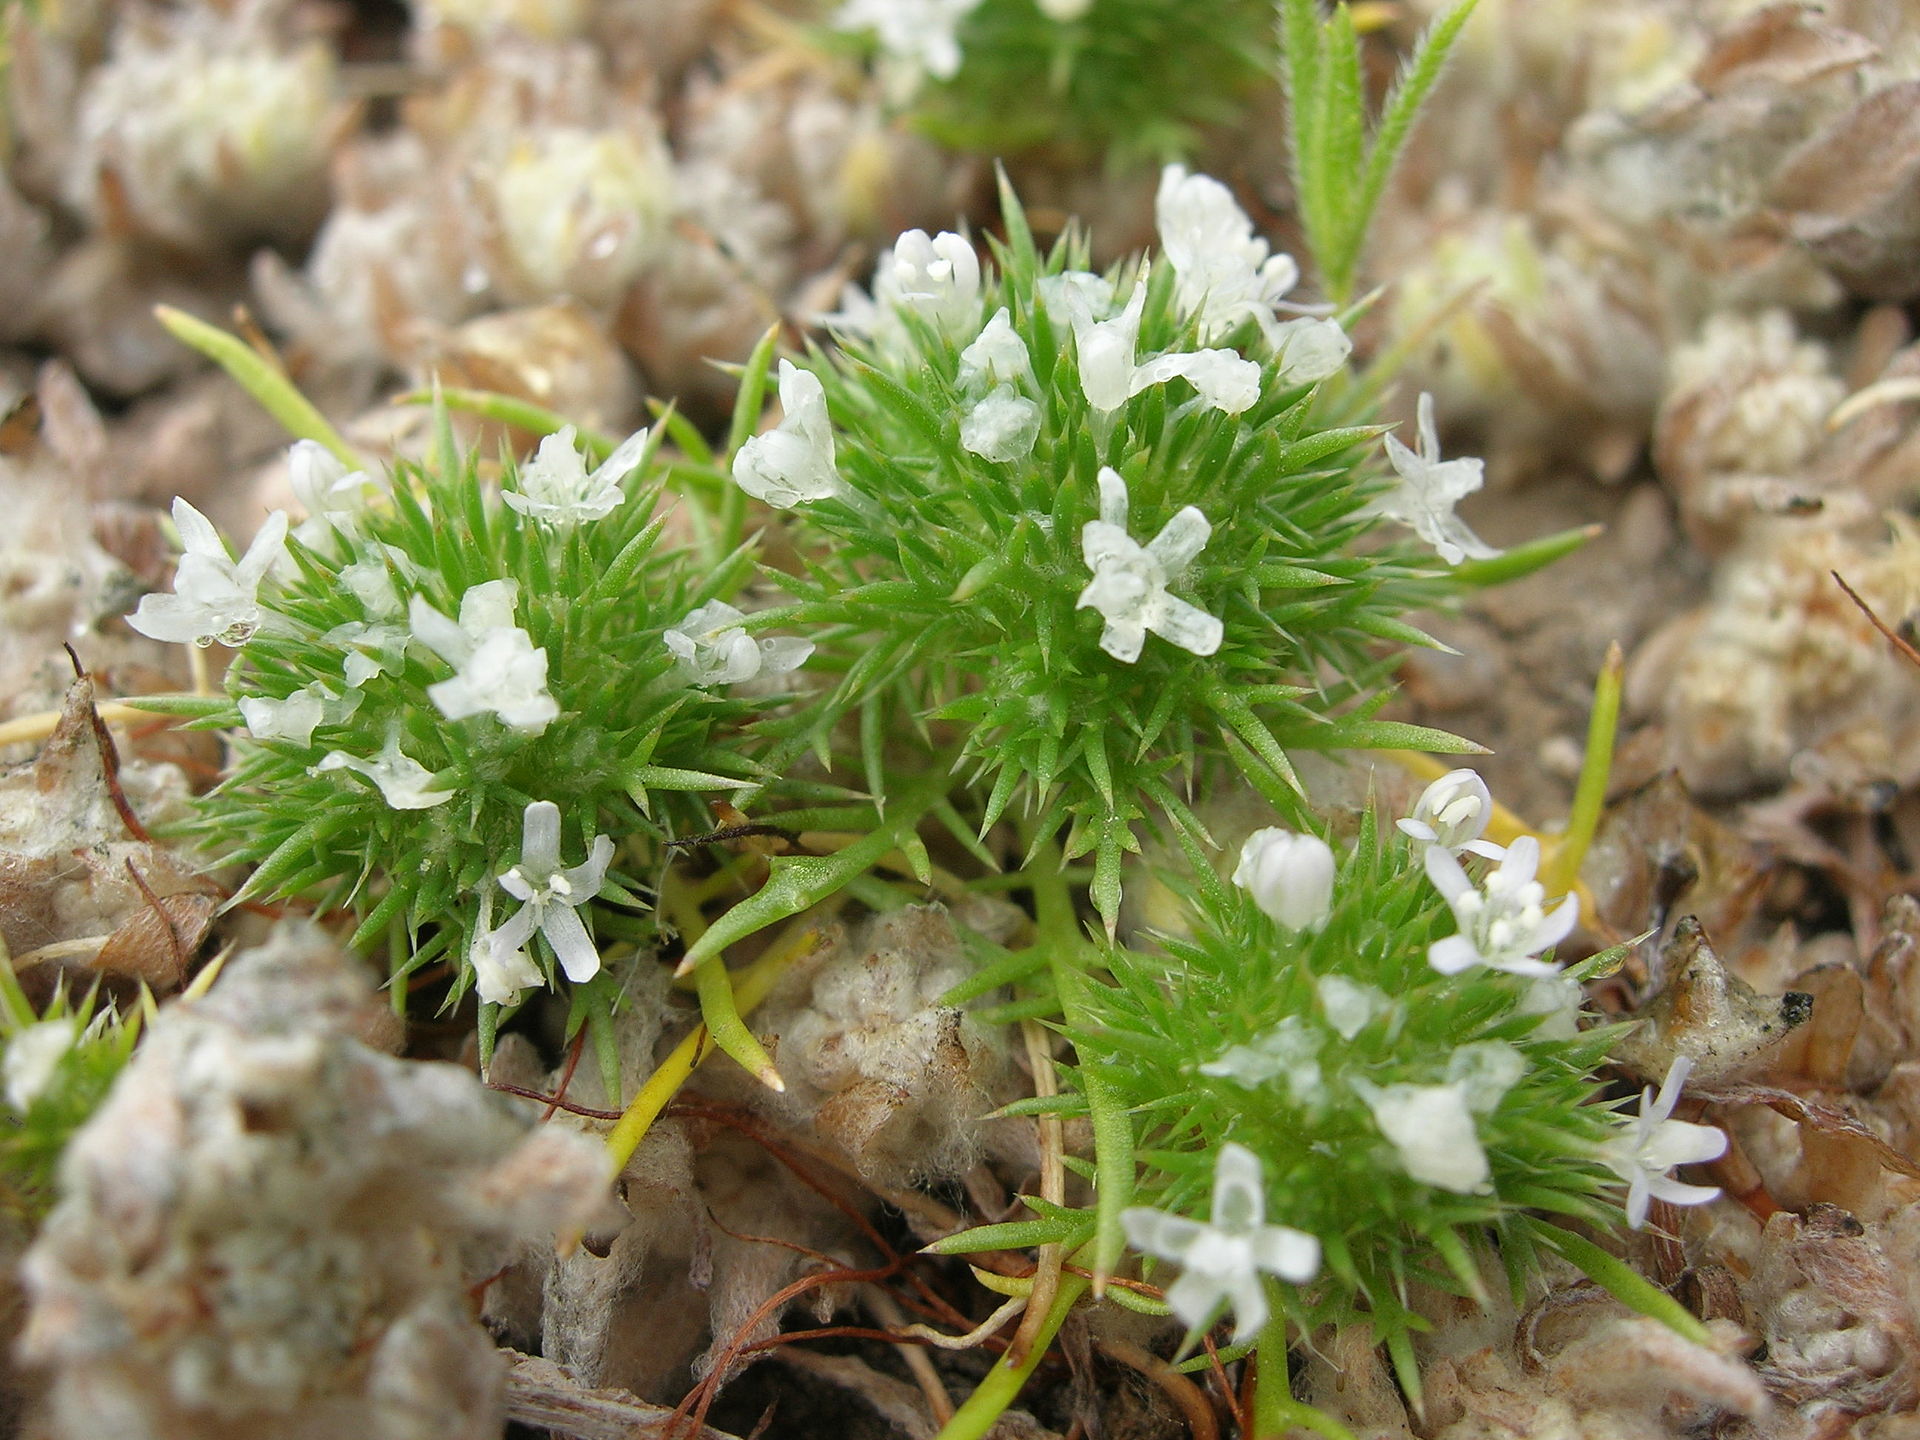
{"points": [[1185, 1395], [566, 1074], [1894, 638]]}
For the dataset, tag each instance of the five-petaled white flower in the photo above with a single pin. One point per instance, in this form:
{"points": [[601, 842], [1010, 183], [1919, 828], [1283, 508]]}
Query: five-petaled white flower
{"points": [[403, 781], [1429, 488], [333, 496], [1289, 875], [714, 650], [1651, 1143], [1506, 925], [496, 667], [1453, 813], [551, 896], [214, 597], [1221, 1261], [1129, 585], [793, 462], [556, 487]]}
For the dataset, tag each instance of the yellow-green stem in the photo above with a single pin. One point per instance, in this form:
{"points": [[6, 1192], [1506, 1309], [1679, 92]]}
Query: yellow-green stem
{"points": [[1590, 794], [1004, 1382]]}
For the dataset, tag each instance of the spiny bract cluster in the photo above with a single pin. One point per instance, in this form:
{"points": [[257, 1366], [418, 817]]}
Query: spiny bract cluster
{"points": [[1108, 524], [454, 695], [1352, 1104]]}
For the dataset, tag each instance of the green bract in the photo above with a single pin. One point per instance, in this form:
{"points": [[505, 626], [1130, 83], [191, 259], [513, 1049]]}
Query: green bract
{"points": [[1104, 527]]}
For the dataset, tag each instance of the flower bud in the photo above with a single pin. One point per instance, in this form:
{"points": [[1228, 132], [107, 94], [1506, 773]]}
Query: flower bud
{"points": [[1289, 876]]}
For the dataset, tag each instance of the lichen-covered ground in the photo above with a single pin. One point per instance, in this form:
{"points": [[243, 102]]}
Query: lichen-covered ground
{"points": [[1657, 260]]}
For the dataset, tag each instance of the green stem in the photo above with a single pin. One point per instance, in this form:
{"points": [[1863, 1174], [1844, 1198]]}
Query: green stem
{"points": [[1590, 794], [1275, 1411], [1004, 1382], [1113, 1156]]}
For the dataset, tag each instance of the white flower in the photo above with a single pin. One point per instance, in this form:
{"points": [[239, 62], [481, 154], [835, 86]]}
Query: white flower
{"points": [[1310, 350], [1226, 380], [936, 277], [1064, 10], [551, 895], [1290, 877], [496, 667], [33, 1056], [333, 496], [714, 650], [370, 649], [1557, 1001], [1075, 290], [1486, 1070], [998, 356], [917, 38], [1287, 1052], [1453, 813], [1350, 1006], [1429, 488], [403, 781], [1106, 347], [214, 598], [1129, 585], [1223, 271], [555, 487], [1651, 1144], [296, 717], [794, 462], [1004, 426], [500, 972], [1431, 1127], [1505, 926], [1221, 1261]]}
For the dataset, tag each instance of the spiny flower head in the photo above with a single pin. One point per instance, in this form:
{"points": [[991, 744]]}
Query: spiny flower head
{"points": [[1057, 509], [452, 675], [1402, 1117]]}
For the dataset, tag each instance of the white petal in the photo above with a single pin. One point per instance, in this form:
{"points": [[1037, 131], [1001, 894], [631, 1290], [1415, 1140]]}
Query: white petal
{"points": [[1187, 626], [1453, 954], [1113, 501], [572, 946], [1156, 1233], [1182, 538], [1291, 1254], [540, 838], [197, 535], [1239, 1190], [1445, 873], [781, 653]]}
